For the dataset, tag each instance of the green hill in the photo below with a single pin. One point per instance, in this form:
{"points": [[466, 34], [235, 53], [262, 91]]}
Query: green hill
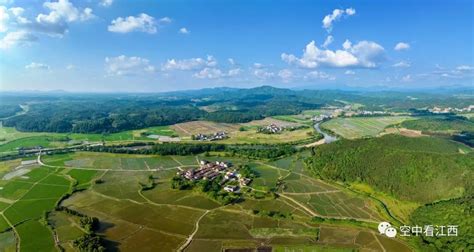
{"points": [[422, 169], [441, 124], [451, 212]]}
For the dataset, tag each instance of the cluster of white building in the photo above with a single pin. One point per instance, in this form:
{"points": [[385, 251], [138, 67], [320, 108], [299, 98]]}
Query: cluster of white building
{"points": [[211, 137], [438, 110]]}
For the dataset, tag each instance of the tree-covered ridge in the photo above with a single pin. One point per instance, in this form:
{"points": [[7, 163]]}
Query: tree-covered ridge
{"points": [[417, 169], [456, 212], [107, 113], [441, 124]]}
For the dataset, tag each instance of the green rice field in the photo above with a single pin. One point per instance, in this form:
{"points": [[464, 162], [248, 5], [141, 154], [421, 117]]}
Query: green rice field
{"points": [[359, 127]]}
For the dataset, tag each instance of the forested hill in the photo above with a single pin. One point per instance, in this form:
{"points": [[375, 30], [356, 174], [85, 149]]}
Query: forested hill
{"points": [[421, 169], [105, 113]]}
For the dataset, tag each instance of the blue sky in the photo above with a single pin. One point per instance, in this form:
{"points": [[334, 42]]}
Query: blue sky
{"points": [[152, 46]]}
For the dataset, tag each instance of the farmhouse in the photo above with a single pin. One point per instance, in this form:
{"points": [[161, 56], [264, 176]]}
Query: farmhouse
{"points": [[206, 171], [212, 137], [230, 188], [270, 129]]}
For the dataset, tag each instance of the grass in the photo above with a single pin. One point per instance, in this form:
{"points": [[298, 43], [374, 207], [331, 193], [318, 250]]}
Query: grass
{"points": [[401, 209], [33, 141], [358, 127], [13, 139], [82, 176], [7, 241], [301, 118], [35, 237], [251, 136], [66, 227]]}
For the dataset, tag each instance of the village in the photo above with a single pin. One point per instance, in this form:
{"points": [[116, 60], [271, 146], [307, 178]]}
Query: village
{"points": [[232, 180]]}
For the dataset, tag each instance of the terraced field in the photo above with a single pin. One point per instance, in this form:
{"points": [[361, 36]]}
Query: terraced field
{"points": [[358, 127]]}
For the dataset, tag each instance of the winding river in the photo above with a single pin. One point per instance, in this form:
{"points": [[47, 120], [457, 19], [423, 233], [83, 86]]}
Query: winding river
{"points": [[327, 138]]}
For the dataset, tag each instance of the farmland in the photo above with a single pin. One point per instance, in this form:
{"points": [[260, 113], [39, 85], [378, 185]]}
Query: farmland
{"points": [[358, 127], [11, 139], [168, 214], [245, 133]]}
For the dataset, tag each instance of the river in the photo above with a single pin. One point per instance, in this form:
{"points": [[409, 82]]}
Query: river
{"points": [[327, 138]]}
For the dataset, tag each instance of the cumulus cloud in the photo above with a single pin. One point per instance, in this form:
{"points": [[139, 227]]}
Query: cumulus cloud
{"points": [[165, 20], [54, 23], [263, 74], [215, 73], [37, 66], [63, 11], [464, 68], [336, 14], [406, 78], [349, 72], [328, 41], [209, 73], [4, 17], [363, 54], [234, 72], [285, 74], [183, 30], [17, 38], [106, 3], [189, 64], [401, 46], [402, 64], [319, 75], [123, 65], [141, 23], [459, 72]]}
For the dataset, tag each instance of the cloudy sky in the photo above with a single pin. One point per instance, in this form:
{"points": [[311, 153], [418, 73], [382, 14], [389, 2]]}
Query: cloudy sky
{"points": [[143, 46]]}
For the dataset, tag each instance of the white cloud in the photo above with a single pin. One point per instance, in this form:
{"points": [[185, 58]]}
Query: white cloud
{"points": [[215, 73], [402, 64], [70, 67], [368, 53], [401, 46], [319, 75], [6, 2], [4, 17], [189, 64], [56, 21], [209, 73], [363, 54], [335, 16], [183, 30], [328, 41], [263, 74], [231, 61], [123, 65], [141, 23], [234, 72], [17, 38], [37, 66], [285, 74], [349, 72], [165, 20], [350, 11], [63, 10], [464, 68], [347, 45], [406, 78], [106, 3]]}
